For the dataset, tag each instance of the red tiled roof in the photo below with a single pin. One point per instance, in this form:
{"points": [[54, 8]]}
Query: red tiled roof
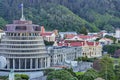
{"points": [[85, 36], [69, 36], [77, 43]]}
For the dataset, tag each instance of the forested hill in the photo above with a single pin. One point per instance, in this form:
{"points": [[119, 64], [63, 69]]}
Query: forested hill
{"points": [[64, 15]]}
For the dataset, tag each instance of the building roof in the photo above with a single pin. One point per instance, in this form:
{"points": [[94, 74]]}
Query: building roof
{"points": [[22, 26], [79, 37], [105, 39], [69, 36], [78, 43], [67, 33]]}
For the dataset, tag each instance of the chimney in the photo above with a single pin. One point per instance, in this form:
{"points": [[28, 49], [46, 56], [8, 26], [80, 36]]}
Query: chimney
{"points": [[42, 29]]}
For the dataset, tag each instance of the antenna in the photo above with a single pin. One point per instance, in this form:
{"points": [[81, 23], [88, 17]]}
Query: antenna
{"points": [[22, 16]]}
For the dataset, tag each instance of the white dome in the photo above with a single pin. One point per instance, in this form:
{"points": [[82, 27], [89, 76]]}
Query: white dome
{"points": [[3, 62]]}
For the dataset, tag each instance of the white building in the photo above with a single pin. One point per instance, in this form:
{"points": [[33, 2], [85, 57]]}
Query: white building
{"points": [[1, 33], [62, 34], [117, 33], [61, 54], [106, 41], [23, 47]]}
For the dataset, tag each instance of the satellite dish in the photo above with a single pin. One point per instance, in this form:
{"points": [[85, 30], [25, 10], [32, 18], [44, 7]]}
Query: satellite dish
{"points": [[3, 61]]}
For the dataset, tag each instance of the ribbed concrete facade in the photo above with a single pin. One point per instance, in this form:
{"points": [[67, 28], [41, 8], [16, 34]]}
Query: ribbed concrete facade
{"points": [[23, 47]]}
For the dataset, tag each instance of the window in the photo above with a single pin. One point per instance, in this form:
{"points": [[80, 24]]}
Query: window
{"points": [[20, 28]]}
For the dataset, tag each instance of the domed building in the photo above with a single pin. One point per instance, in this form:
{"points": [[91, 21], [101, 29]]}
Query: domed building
{"points": [[23, 47]]}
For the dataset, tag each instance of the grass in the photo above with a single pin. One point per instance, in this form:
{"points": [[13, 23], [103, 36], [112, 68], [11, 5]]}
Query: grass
{"points": [[79, 73]]}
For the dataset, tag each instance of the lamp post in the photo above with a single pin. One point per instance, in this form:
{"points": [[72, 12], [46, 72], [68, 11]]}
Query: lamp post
{"points": [[11, 75]]}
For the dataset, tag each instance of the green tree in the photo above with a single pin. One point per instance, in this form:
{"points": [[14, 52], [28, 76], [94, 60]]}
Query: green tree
{"points": [[111, 48], [117, 71], [18, 77], [83, 30], [90, 74], [24, 76], [47, 71], [2, 22], [107, 71], [70, 70], [21, 76], [60, 75]]}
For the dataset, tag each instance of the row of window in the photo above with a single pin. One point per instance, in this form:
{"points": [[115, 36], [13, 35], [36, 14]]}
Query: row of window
{"points": [[23, 38], [33, 46], [39, 50], [36, 46], [22, 42], [22, 34]]}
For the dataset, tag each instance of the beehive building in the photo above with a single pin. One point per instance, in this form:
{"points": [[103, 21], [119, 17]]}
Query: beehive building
{"points": [[23, 47]]}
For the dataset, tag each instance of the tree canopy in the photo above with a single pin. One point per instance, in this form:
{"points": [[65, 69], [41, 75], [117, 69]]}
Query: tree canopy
{"points": [[60, 75], [90, 74], [65, 15]]}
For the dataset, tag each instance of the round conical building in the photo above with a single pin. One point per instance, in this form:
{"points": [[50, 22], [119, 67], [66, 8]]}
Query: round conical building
{"points": [[23, 47]]}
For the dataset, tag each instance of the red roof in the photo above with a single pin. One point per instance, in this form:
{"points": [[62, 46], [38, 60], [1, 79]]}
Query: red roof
{"points": [[77, 43], [69, 36], [85, 36]]}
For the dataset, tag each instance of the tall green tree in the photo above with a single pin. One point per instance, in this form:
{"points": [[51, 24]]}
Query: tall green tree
{"points": [[60, 75], [90, 74], [83, 30], [107, 71], [117, 71]]}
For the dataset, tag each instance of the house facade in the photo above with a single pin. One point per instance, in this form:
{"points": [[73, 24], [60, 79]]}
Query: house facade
{"points": [[48, 36], [59, 55], [89, 49]]}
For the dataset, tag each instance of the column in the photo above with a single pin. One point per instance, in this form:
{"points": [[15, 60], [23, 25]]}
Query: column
{"points": [[31, 63], [8, 64], [13, 63], [19, 64], [45, 62], [36, 61], [25, 63], [41, 60]]}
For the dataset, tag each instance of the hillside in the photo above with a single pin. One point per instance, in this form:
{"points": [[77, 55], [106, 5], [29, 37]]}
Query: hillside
{"points": [[65, 15]]}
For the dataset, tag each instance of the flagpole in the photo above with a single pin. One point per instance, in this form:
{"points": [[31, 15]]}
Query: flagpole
{"points": [[22, 9], [22, 15]]}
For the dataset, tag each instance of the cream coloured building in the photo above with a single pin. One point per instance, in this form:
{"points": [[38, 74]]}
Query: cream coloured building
{"points": [[89, 49], [92, 49]]}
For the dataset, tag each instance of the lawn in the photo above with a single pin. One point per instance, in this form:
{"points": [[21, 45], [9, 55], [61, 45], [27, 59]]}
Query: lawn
{"points": [[79, 73]]}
